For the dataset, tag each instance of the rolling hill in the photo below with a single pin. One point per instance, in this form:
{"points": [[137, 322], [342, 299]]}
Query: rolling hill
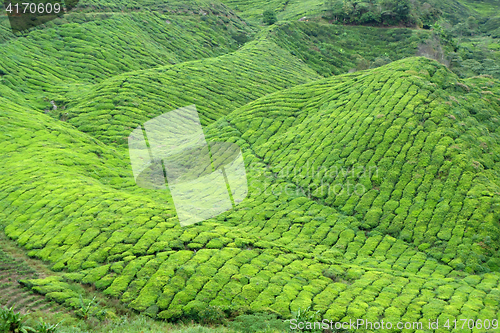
{"points": [[374, 175], [216, 85], [415, 240], [81, 49]]}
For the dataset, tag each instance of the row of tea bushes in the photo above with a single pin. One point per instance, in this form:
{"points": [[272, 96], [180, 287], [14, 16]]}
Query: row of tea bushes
{"points": [[12, 294], [184, 282]]}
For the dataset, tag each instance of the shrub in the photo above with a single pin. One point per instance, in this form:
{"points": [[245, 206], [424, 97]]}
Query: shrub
{"points": [[306, 315], [96, 274], [381, 61], [11, 321], [43, 327], [90, 308], [258, 322], [215, 243], [60, 296], [211, 315], [269, 17]]}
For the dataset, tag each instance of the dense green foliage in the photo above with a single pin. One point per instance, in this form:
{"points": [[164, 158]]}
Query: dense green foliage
{"points": [[374, 176], [280, 249], [269, 17], [384, 12], [217, 85], [335, 49], [11, 321], [420, 13]]}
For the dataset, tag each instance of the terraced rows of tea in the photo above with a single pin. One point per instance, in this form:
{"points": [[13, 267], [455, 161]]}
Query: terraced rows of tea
{"points": [[372, 195], [413, 236], [286, 10], [80, 49], [217, 86], [422, 161]]}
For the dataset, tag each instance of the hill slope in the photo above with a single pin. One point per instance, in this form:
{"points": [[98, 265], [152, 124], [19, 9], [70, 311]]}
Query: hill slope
{"points": [[336, 49], [81, 49], [216, 85], [425, 11], [422, 145], [288, 245]]}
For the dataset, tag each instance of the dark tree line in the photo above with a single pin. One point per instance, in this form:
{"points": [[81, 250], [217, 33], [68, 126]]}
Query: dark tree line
{"points": [[382, 12]]}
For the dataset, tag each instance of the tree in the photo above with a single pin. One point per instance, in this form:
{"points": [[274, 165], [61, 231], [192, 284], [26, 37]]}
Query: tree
{"points": [[348, 8], [269, 17], [403, 9]]}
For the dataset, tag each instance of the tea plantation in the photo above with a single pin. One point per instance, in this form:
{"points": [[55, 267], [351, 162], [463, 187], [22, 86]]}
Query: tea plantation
{"points": [[216, 85], [374, 175]]}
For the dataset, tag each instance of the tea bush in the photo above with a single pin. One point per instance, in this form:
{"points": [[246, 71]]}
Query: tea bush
{"points": [[269, 17]]}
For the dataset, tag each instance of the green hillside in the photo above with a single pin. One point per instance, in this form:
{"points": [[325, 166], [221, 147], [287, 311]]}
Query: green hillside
{"points": [[374, 12], [82, 49], [276, 60], [216, 85], [336, 49], [408, 247], [484, 7], [431, 147], [373, 174], [286, 10]]}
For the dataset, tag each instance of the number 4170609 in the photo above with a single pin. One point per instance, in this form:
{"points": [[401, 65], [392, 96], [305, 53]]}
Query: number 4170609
{"points": [[471, 323], [33, 8]]}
